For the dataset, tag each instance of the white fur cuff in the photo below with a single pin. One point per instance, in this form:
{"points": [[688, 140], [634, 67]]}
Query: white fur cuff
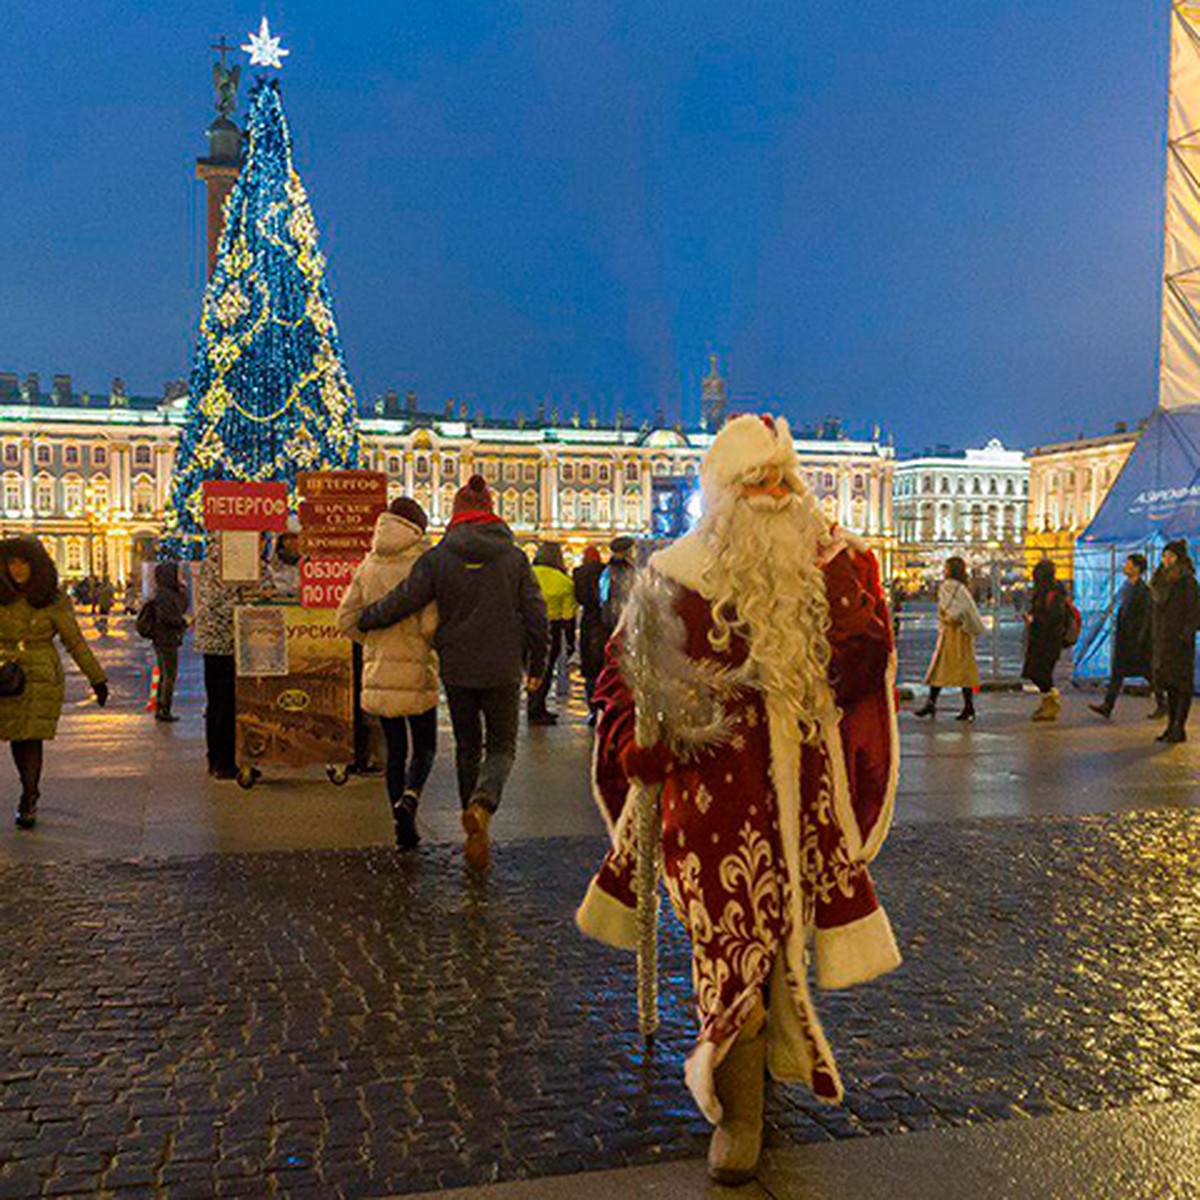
{"points": [[606, 919], [855, 953]]}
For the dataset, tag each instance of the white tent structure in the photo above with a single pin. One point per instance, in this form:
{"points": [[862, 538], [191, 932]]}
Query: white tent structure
{"points": [[1156, 497], [1179, 366]]}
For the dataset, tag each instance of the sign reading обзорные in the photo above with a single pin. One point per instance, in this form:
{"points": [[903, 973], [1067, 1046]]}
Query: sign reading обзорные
{"points": [[230, 504], [323, 581]]}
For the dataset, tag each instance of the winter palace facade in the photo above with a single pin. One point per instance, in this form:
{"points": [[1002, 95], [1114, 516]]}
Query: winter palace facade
{"points": [[90, 475]]}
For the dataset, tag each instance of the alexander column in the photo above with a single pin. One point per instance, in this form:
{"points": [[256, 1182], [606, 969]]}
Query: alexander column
{"points": [[219, 169]]}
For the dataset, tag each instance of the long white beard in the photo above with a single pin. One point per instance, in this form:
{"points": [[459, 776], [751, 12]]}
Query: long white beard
{"points": [[763, 583]]}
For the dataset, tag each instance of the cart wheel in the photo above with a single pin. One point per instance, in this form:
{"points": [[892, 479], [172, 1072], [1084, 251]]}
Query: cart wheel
{"points": [[337, 774], [247, 777]]}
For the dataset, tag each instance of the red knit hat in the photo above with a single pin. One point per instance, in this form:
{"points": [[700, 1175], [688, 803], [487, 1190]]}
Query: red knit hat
{"points": [[475, 497]]}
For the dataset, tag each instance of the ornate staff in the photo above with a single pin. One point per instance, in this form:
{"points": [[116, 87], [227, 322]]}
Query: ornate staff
{"points": [[649, 835]]}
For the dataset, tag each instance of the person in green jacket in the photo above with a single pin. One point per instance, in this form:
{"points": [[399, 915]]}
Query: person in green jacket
{"points": [[33, 612], [558, 590]]}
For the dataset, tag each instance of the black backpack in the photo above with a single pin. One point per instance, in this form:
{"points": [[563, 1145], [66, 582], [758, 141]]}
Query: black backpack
{"points": [[146, 621]]}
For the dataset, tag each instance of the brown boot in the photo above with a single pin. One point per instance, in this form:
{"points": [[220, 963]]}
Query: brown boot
{"points": [[737, 1141], [475, 822], [1050, 706]]}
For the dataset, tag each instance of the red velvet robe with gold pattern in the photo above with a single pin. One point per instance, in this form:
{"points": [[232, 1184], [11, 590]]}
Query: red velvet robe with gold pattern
{"points": [[766, 837]]}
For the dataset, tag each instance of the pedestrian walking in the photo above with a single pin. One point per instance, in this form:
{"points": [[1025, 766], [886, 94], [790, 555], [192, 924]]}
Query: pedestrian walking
{"points": [[1132, 640], [959, 624], [399, 673], [558, 592], [163, 621], [592, 635], [491, 629], [1046, 631], [106, 597], [214, 640], [1175, 617], [34, 610], [750, 698], [616, 580]]}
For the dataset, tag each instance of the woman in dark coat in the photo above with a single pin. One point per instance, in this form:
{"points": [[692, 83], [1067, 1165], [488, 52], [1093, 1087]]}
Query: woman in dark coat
{"points": [[1174, 619], [33, 612], [1131, 635], [168, 624], [1046, 633], [592, 634]]}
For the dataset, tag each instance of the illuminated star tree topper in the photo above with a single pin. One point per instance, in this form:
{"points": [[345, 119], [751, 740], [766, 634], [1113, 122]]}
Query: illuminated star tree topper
{"points": [[269, 395], [265, 50]]}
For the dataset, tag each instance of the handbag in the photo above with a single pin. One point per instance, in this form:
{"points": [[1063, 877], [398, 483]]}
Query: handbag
{"points": [[12, 679]]}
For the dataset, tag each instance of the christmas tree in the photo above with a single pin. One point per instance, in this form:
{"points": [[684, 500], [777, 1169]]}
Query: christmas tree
{"points": [[269, 395]]}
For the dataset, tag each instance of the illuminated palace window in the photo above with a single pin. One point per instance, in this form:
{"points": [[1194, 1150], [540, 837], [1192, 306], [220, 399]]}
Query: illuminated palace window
{"points": [[12, 494], [143, 498], [44, 496], [142, 455], [529, 508], [73, 495], [12, 454], [99, 456], [74, 559]]}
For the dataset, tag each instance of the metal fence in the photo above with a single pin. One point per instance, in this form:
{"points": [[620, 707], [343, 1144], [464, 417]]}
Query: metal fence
{"points": [[1001, 585]]}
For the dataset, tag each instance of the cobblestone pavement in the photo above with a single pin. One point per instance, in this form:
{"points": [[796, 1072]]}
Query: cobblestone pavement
{"points": [[347, 1023]]}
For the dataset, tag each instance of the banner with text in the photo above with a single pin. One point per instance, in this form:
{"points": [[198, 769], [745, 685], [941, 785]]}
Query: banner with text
{"points": [[338, 511], [230, 504], [323, 581]]}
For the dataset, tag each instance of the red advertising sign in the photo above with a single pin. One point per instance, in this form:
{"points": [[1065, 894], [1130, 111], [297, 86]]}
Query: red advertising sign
{"points": [[231, 504], [323, 581], [343, 485], [338, 511]]}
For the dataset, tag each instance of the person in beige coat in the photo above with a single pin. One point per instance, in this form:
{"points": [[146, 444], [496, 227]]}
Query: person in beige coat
{"points": [[959, 624], [400, 673]]}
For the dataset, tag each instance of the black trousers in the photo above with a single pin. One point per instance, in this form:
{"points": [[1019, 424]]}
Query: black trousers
{"points": [[168, 673], [1117, 682], [220, 712], [27, 754], [1179, 704], [562, 633], [407, 773], [485, 724]]}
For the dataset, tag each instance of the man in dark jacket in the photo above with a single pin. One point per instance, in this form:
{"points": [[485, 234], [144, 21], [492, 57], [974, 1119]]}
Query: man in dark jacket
{"points": [[592, 634], [164, 620], [492, 628], [1175, 619], [615, 581], [1131, 638]]}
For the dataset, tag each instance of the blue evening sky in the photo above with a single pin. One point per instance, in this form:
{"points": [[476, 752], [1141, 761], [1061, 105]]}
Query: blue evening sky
{"points": [[941, 217]]}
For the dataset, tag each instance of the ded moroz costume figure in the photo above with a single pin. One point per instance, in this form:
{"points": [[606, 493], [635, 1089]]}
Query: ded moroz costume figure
{"points": [[751, 683]]}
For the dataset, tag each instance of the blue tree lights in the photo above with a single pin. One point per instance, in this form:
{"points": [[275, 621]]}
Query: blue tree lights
{"points": [[269, 395]]}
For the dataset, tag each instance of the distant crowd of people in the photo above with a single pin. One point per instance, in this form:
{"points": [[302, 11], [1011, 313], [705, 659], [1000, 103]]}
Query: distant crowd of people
{"points": [[1154, 638], [471, 618]]}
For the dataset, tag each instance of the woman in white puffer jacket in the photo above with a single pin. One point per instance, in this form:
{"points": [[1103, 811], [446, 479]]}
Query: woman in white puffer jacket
{"points": [[400, 675]]}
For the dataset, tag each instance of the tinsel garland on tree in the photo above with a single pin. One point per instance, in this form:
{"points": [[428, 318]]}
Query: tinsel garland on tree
{"points": [[268, 395]]}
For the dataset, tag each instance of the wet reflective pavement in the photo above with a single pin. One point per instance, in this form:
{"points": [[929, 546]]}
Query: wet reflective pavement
{"points": [[120, 785], [317, 1015]]}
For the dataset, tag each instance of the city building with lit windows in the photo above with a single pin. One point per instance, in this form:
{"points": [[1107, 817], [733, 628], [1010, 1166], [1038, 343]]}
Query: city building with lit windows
{"points": [[972, 503], [90, 474], [1068, 482]]}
